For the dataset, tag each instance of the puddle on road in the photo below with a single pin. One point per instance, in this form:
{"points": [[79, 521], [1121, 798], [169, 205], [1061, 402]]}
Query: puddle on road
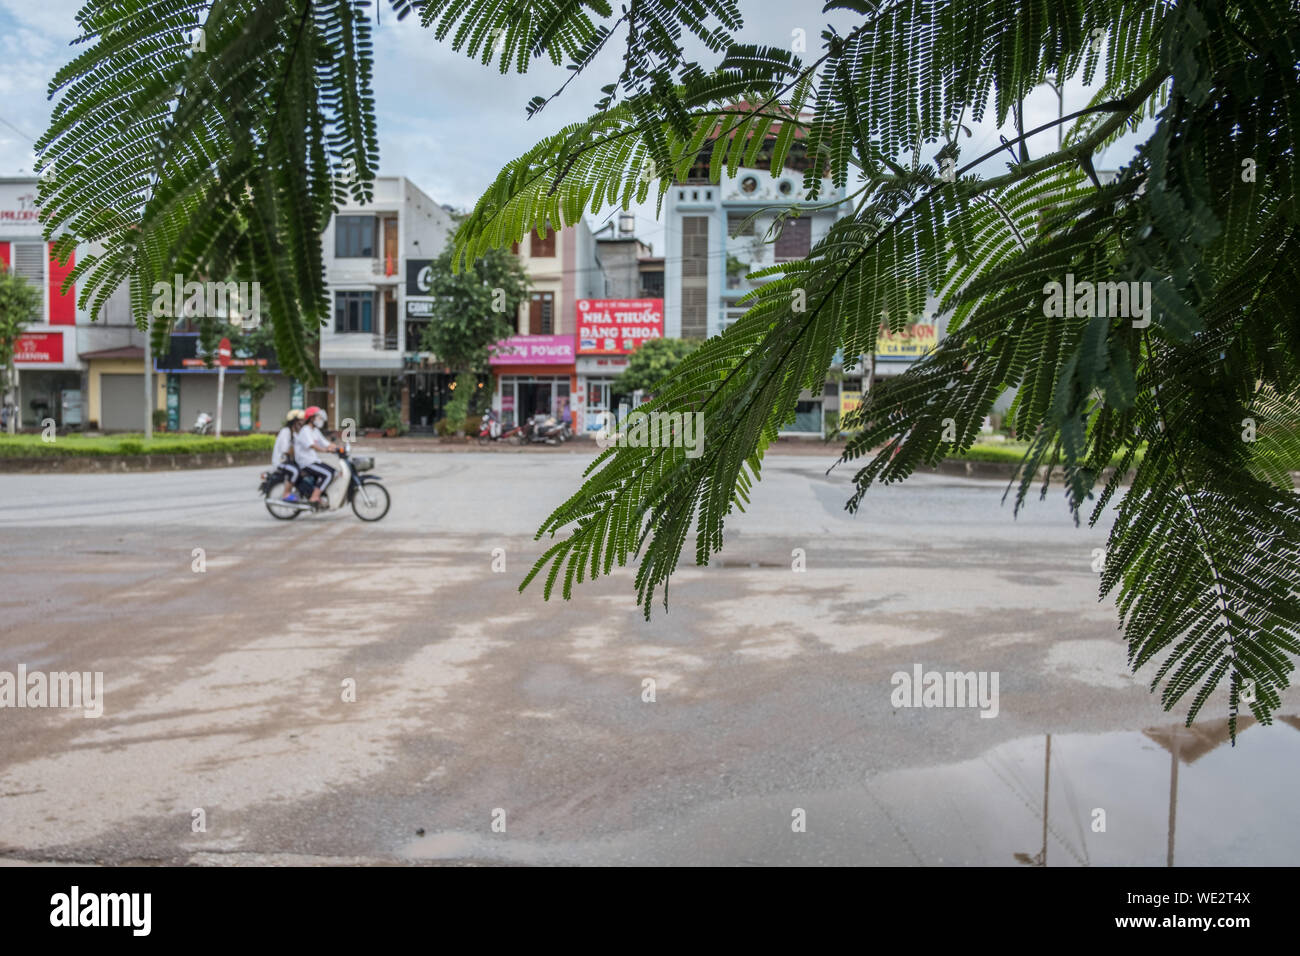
{"points": [[1163, 796]]}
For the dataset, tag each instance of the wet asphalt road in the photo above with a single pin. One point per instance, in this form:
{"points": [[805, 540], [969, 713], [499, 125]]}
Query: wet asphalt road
{"points": [[474, 703]]}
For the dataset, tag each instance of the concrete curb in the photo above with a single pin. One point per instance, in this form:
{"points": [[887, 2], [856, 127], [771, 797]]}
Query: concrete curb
{"points": [[84, 464]]}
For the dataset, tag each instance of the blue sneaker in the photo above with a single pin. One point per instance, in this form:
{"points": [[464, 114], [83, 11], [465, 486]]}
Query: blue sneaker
{"points": [[291, 496]]}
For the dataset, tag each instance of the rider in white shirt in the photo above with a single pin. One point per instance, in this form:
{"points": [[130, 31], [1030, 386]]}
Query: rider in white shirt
{"points": [[306, 444]]}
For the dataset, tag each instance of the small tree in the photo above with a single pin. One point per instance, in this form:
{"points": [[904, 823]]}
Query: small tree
{"points": [[474, 309], [19, 300], [651, 363], [256, 385]]}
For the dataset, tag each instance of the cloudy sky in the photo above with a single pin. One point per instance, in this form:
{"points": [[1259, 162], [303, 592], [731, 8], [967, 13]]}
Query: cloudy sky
{"points": [[445, 122]]}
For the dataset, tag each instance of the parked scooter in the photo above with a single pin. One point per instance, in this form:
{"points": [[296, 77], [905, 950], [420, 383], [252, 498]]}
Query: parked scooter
{"points": [[203, 425], [369, 499], [490, 430], [546, 429]]}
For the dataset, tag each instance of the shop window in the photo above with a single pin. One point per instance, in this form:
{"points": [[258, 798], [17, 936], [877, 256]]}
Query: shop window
{"points": [[353, 311], [354, 237]]}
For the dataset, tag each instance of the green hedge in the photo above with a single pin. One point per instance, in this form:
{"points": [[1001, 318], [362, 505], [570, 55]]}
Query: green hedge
{"points": [[34, 446], [1013, 452]]}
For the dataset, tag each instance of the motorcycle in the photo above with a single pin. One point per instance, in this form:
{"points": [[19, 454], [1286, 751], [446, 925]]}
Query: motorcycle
{"points": [[367, 496], [490, 430], [544, 429], [203, 425]]}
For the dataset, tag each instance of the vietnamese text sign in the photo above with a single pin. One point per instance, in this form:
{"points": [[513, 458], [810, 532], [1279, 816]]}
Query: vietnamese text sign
{"points": [[533, 350], [618, 326], [911, 343]]}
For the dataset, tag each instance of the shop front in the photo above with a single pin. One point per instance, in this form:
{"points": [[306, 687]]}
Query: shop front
{"points": [[595, 394], [607, 332], [535, 374], [49, 377], [192, 385]]}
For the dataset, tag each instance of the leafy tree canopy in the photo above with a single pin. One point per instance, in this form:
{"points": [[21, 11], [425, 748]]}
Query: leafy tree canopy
{"points": [[473, 309], [650, 364]]}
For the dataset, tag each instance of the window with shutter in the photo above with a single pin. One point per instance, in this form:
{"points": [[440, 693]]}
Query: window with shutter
{"points": [[544, 248], [695, 277], [740, 224], [795, 240], [541, 314]]}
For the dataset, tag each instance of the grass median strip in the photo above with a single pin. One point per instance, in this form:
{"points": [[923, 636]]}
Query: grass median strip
{"points": [[77, 446], [1011, 452]]}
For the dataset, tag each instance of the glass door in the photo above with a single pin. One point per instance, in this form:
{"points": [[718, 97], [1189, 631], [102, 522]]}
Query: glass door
{"points": [[598, 399]]}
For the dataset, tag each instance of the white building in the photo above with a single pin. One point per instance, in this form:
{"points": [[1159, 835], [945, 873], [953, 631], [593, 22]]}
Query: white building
{"points": [[370, 349], [715, 240]]}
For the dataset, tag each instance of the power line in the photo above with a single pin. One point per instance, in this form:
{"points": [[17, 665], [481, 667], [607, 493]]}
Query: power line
{"points": [[17, 130]]}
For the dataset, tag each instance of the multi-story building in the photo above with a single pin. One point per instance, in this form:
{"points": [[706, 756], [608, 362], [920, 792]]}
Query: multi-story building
{"points": [[536, 370], [717, 236], [83, 374], [611, 328], [370, 350], [49, 368]]}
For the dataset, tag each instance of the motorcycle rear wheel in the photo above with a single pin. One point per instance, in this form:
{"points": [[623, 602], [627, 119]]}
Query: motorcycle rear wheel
{"points": [[278, 508], [376, 507]]}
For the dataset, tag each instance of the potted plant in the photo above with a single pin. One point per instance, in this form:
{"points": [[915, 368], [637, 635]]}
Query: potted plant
{"points": [[392, 421]]}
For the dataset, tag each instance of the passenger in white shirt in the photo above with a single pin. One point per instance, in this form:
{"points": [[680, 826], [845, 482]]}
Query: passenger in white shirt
{"points": [[306, 444], [282, 453]]}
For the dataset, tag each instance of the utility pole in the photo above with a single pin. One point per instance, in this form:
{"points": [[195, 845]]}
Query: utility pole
{"points": [[221, 394], [148, 386]]}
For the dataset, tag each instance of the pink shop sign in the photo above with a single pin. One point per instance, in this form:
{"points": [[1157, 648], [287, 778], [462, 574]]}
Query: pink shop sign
{"points": [[533, 350]]}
